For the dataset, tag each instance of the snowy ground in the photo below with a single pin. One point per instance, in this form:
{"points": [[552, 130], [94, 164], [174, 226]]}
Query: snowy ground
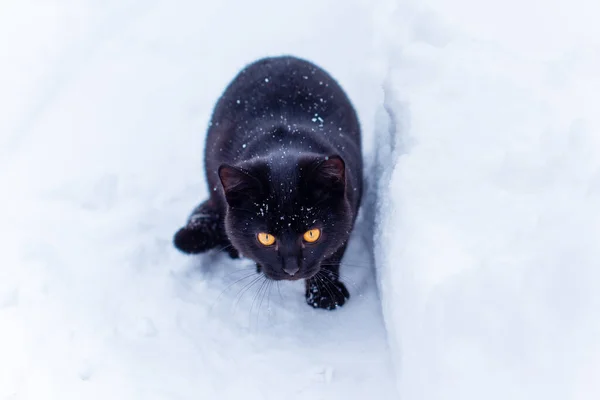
{"points": [[483, 122], [105, 106]]}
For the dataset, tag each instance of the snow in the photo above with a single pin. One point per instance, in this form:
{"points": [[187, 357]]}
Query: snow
{"points": [[106, 106], [481, 135], [488, 222]]}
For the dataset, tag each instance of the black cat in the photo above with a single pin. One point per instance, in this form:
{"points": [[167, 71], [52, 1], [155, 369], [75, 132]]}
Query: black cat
{"points": [[284, 168]]}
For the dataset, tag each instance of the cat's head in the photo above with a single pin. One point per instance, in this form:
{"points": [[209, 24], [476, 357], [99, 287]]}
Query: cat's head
{"points": [[288, 216]]}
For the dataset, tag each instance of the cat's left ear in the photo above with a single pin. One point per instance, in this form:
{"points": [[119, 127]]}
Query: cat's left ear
{"points": [[328, 176], [332, 171]]}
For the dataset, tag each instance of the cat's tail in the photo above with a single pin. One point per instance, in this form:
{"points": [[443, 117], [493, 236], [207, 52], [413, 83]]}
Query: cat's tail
{"points": [[203, 231]]}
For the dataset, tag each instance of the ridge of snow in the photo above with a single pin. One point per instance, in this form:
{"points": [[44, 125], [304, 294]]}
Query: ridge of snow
{"points": [[488, 223]]}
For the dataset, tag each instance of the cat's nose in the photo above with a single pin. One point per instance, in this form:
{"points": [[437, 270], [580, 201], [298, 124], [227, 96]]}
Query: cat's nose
{"points": [[291, 271], [290, 266]]}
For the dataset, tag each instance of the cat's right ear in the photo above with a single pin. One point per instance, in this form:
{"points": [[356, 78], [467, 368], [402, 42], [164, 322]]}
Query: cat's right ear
{"points": [[238, 185]]}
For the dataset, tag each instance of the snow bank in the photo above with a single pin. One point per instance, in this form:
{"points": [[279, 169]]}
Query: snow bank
{"points": [[487, 241]]}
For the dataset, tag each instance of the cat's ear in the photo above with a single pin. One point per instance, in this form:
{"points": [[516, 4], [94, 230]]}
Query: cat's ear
{"points": [[328, 177], [239, 186], [332, 171]]}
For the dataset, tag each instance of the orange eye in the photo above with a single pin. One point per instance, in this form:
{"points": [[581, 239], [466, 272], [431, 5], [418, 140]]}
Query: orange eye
{"points": [[266, 239], [312, 235]]}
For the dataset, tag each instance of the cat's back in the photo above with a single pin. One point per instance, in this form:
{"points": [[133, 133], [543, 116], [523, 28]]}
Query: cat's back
{"points": [[285, 87], [282, 91]]}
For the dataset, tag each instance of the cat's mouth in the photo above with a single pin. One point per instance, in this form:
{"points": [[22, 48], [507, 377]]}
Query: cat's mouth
{"points": [[282, 276], [293, 278]]}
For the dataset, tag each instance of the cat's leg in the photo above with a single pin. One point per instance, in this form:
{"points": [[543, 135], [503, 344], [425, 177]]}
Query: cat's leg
{"points": [[325, 290], [204, 231]]}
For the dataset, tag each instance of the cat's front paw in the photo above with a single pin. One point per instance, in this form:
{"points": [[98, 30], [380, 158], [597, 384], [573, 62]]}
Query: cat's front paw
{"points": [[192, 241], [327, 295], [233, 253]]}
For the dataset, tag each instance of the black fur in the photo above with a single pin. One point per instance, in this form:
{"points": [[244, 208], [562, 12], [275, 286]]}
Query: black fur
{"points": [[283, 155]]}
